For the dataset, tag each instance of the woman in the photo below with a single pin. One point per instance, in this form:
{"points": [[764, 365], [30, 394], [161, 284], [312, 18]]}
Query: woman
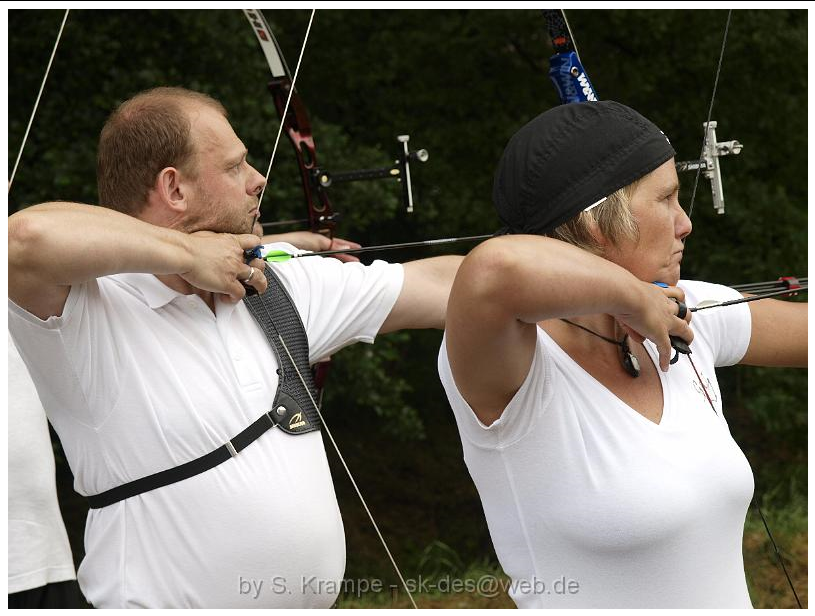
{"points": [[608, 475]]}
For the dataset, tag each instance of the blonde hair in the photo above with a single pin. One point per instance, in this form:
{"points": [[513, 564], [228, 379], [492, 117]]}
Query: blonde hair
{"points": [[612, 218]]}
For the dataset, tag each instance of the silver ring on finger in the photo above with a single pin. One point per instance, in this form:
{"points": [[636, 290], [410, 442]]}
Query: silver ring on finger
{"points": [[251, 273]]}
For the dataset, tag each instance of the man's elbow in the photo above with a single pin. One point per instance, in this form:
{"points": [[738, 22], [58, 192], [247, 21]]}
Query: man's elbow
{"points": [[30, 235], [25, 237]]}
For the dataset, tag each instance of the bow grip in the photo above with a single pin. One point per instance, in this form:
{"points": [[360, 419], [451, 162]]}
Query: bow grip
{"points": [[679, 345]]}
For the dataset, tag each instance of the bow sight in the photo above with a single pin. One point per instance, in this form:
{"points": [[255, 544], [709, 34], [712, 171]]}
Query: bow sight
{"points": [[709, 163], [296, 124], [321, 179], [400, 171]]}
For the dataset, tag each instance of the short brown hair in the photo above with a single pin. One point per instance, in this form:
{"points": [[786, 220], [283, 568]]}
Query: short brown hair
{"points": [[613, 218], [144, 135]]}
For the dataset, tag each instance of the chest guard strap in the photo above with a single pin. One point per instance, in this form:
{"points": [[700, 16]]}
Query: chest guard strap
{"points": [[292, 409]]}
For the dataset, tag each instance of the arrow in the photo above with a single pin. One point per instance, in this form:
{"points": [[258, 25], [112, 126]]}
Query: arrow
{"points": [[279, 256], [712, 303]]}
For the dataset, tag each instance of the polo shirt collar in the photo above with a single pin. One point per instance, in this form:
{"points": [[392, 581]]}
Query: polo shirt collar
{"points": [[156, 294]]}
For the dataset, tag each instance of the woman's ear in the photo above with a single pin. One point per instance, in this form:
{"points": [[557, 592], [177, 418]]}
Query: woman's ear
{"points": [[602, 244]]}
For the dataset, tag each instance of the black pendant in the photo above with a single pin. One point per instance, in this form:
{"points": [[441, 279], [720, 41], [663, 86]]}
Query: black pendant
{"points": [[630, 362]]}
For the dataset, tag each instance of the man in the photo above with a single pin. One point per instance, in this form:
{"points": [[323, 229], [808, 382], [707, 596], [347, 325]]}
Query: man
{"points": [[130, 321]]}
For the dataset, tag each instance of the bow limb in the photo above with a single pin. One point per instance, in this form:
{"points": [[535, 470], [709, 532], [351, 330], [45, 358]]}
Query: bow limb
{"points": [[295, 122]]}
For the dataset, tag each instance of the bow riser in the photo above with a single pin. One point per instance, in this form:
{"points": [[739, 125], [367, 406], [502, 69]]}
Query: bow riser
{"points": [[297, 126]]}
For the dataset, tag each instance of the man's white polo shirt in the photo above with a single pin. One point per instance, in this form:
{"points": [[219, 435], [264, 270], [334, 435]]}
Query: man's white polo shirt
{"points": [[137, 378]]}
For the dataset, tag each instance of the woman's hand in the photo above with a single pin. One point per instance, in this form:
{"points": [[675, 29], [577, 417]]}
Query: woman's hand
{"points": [[656, 317]]}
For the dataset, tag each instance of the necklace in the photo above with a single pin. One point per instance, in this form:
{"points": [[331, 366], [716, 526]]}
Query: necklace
{"points": [[629, 361]]}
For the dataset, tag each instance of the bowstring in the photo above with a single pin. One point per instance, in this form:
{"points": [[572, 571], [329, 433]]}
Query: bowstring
{"points": [[260, 198], [286, 108], [777, 553], [297, 370], [755, 502], [710, 110], [37, 101], [348, 472], [690, 213]]}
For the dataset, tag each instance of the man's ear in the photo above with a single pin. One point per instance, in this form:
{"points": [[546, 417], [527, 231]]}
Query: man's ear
{"points": [[171, 191]]}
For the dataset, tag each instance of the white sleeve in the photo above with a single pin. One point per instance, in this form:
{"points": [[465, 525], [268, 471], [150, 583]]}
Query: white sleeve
{"points": [[519, 415], [727, 330], [340, 303], [65, 354]]}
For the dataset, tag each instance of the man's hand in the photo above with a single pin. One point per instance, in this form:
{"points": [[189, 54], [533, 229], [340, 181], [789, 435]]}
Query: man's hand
{"points": [[218, 264], [306, 240]]}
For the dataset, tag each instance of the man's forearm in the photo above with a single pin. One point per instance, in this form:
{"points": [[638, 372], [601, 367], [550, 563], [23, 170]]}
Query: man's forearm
{"points": [[422, 304], [69, 243], [57, 245]]}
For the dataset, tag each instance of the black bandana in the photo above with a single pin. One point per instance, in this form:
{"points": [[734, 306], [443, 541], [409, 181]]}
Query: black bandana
{"points": [[569, 158]]}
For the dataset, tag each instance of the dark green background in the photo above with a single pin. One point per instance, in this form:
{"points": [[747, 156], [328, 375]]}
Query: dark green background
{"points": [[460, 82]]}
